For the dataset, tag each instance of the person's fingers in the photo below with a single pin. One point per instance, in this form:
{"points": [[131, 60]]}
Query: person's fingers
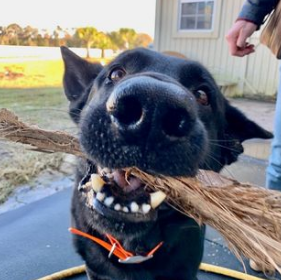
{"points": [[231, 39], [236, 51], [245, 32], [232, 47], [240, 52], [246, 51], [237, 38], [242, 39]]}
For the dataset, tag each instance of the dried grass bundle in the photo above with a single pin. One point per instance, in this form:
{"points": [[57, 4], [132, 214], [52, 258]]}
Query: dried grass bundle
{"points": [[11, 128], [247, 216]]}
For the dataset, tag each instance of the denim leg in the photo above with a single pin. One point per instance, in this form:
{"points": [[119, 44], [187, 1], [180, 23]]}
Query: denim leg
{"points": [[273, 176]]}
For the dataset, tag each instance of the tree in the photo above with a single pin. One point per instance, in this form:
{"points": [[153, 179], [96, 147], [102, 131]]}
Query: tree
{"points": [[103, 42], [88, 35], [12, 32], [116, 40], [4, 40], [123, 39], [28, 36], [142, 40], [128, 36]]}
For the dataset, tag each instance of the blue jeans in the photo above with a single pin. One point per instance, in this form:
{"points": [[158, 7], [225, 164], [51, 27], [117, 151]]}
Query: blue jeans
{"points": [[273, 176]]}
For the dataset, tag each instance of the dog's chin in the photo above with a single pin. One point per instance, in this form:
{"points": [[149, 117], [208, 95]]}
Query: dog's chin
{"points": [[118, 196]]}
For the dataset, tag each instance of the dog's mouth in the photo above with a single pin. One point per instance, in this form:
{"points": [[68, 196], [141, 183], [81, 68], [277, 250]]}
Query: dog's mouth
{"points": [[115, 193]]}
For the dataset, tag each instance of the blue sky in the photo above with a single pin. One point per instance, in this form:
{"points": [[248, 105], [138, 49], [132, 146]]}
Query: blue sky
{"points": [[105, 15]]}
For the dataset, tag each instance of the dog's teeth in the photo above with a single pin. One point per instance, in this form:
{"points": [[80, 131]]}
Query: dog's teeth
{"points": [[100, 196], [157, 198], [88, 184], [117, 207], [108, 201], [145, 208], [134, 207], [97, 182], [125, 209], [109, 175], [106, 172]]}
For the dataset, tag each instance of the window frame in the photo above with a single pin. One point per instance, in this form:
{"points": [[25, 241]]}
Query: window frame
{"points": [[197, 33]]}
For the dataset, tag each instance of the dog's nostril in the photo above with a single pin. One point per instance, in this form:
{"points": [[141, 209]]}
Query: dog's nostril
{"points": [[128, 110], [175, 123]]}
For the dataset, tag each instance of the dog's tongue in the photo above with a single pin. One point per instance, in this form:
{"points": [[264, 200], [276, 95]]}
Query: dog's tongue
{"points": [[127, 184]]}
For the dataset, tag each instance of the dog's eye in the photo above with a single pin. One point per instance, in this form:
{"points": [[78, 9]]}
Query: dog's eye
{"points": [[202, 97], [117, 74]]}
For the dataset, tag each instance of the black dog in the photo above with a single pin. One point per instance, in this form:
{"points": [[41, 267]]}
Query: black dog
{"points": [[164, 115]]}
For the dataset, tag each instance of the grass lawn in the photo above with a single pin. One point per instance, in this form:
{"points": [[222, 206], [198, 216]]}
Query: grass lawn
{"points": [[46, 107], [24, 74], [34, 73]]}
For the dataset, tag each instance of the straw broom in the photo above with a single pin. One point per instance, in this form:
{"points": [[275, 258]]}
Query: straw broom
{"points": [[247, 216]]}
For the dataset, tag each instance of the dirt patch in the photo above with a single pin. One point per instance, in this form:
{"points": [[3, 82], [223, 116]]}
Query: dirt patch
{"points": [[10, 73]]}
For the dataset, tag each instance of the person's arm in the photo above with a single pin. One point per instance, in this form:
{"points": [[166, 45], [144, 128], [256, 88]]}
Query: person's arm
{"points": [[256, 10], [250, 18]]}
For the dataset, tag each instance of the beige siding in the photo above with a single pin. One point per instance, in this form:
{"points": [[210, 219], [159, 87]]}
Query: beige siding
{"points": [[254, 74]]}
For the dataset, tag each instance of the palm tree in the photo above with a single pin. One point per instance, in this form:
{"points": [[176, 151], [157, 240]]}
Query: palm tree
{"points": [[128, 36], [103, 42], [116, 40], [4, 40], [12, 32], [88, 35]]}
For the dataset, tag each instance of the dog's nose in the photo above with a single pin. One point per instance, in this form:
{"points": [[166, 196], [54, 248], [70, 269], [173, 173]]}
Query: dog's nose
{"points": [[126, 109], [142, 105]]}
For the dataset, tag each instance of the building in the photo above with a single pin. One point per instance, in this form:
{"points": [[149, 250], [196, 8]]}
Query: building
{"points": [[197, 28]]}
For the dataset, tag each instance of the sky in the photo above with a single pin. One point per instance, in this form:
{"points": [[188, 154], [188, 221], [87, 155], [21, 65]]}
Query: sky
{"points": [[105, 15]]}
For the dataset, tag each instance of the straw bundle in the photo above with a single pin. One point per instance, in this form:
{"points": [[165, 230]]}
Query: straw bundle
{"points": [[11, 128], [247, 216]]}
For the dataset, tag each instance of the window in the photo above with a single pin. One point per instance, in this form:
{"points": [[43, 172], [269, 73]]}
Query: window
{"points": [[195, 15]]}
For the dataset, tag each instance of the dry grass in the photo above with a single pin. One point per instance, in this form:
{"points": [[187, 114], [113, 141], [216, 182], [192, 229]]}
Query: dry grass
{"points": [[22, 166], [44, 106], [249, 217]]}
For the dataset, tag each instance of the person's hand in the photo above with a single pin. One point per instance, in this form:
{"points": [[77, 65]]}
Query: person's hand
{"points": [[237, 38]]}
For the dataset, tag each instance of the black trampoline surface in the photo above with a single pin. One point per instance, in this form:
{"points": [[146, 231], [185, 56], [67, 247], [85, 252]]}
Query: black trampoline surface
{"points": [[35, 242]]}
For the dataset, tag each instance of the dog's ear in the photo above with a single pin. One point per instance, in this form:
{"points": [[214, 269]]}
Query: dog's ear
{"points": [[243, 128], [238, 129], [79, 75]]}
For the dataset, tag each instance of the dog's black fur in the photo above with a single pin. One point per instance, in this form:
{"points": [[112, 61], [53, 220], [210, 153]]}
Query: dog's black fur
{"points": [[164, 115]]}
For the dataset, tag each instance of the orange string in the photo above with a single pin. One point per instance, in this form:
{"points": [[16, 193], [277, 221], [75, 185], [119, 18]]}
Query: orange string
{"points": [[119, 251]]}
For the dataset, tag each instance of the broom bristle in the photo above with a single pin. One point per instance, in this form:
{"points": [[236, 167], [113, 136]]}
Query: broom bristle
{"points": [[247, 216]]}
